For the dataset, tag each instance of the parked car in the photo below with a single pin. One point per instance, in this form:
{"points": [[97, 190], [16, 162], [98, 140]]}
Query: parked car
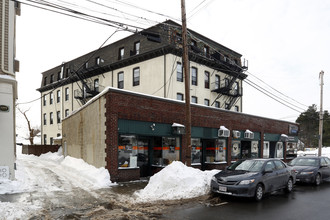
{"points": [[253, 178], [311, 169]]}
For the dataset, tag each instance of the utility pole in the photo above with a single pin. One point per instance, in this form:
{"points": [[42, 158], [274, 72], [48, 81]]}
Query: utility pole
{"points": [[321, 114], [187, 83]]}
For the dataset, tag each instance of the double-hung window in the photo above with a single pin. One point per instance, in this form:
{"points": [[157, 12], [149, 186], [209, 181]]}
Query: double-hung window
{"points": [[51, 118], [58, 98], [194, 76], [121, 53], [121, 80], [217, 82], [207, 80], [51, 98], [137, 48], [179, 96], [58, 117], [179, 73], [136, 76], [66, 93]]}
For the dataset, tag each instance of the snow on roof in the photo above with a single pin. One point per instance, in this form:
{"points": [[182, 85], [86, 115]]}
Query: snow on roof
{"points": [[223, 128], [248, 131], [177, 125]]}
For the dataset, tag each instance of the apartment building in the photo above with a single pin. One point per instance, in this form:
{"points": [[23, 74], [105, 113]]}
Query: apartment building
{"points": [[148, 62]]}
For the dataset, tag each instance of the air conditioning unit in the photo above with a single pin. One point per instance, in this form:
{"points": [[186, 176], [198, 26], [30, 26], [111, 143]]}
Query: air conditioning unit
{"points": [[236, 134], [223, 132], [4, 172], [249, 134]]}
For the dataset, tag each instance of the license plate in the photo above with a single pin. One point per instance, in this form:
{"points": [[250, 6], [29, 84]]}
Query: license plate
{"points": [[222, 188]]}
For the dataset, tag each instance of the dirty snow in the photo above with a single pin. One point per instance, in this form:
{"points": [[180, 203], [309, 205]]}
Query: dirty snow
{"points": [[325, 152], [176, 181], [48, 173]]}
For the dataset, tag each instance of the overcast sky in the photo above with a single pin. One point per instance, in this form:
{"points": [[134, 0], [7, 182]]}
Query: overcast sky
{"points": [[285, 41]]}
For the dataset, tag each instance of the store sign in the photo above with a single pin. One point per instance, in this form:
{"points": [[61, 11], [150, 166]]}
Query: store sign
{"points": [[4, 108], [293, 129]]}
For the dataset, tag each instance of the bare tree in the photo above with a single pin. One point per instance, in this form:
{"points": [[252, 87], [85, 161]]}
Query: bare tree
{"points": [[33, 132]]}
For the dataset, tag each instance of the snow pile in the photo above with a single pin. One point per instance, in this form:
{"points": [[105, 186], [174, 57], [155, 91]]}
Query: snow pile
{"points": [[15, 211], [325, 152], [176, 181], [99, 177]]}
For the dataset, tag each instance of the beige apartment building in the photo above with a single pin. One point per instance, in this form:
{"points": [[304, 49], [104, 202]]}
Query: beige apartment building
{"points": [[148, 62]]}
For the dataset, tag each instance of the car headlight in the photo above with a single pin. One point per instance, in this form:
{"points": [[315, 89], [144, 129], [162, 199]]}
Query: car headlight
{"points": [[306, 173], [246, 182]]}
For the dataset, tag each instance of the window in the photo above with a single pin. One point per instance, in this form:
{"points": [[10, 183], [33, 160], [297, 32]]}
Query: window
{"points": [[236, 88], [136, 76], [86, 65], [226, 82], [58, 116], [58, 96], [45, 139], [227, 106], [67, 72], [96, 85], [236, 150], [194, 76], [166, 150], [45, 119], [217, 104], [51, 118], [98, 60], [66, 112], [121, 80], [206, 51], [179, 72], [51, 98], [121, 53], [52, 78], [45, 81], [179, 96], [51, 141], [45, 100], [196, 150], [279, 165], [215, 151], [217, 82], [206, 102], [194, 99], [207, 80], [58, 75], [236, 108], [66, 93], [137, 47], [58, 135]]}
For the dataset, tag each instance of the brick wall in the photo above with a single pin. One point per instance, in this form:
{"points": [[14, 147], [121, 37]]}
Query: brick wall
{"points": [[124, 105]]}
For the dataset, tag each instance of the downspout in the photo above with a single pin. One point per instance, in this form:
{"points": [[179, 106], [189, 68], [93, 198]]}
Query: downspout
{"points": [[164, 75], [3, 40]]}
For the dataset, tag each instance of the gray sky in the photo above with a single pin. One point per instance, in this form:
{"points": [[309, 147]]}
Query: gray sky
{"points": [[285, 41]]}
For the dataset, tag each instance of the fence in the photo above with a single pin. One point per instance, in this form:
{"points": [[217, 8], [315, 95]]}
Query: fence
{"points": [[39, 149]]}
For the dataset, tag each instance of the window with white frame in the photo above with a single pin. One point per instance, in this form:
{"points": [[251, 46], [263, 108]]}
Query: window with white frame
{"points": [[121, 53], [137, 47], [207, 102], [207, 79], [66, 93], [194, 99], [121, 80], [217, 82], [58, 98], [179, 96]]}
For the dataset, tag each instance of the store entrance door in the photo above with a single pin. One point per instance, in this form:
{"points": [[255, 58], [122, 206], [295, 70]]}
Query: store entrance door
{"points": [[208, 154], [246, 149], [144, 156]]}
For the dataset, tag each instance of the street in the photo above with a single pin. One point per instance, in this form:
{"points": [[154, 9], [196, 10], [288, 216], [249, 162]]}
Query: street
{"points": [[305, 202]]}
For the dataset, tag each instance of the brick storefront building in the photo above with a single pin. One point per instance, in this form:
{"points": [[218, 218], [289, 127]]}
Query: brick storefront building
{"points": [[135, 135]]}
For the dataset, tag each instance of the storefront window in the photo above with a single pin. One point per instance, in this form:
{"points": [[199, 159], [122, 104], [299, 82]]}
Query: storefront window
{"points": [[254, 149], [236, 150], [266, 150], [220, 150], [279, 150], [127, 151], [166, 150], [196, 154]]}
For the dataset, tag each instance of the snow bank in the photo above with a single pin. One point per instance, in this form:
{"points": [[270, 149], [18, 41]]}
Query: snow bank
{"points": [[13, 211], [100, 177], [176, 181], [325, 152]]}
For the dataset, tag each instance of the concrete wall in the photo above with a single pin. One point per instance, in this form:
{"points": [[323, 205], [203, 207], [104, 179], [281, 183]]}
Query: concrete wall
{"points": [[84, 133]]}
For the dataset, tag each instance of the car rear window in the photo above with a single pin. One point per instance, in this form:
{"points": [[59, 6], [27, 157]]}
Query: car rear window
{"points": [[304, 162]]}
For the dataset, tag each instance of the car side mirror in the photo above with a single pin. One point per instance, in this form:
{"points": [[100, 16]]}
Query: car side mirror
{"points": [[268, 171]]}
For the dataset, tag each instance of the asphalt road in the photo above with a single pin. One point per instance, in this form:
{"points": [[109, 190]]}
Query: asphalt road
{"points": [[305, 202]]}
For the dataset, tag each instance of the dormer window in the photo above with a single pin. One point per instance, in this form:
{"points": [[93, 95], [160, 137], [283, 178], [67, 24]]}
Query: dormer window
{"points": [[45, 81], [121, 53], [52, 78], [137, 47], [206, 51], [86, 65]]}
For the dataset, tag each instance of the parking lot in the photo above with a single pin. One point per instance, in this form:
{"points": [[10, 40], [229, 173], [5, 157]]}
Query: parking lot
{"points": [[305, 202]]}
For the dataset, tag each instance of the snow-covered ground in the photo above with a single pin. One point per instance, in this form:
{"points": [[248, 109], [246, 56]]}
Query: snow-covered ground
{"points": [[325, 152]]}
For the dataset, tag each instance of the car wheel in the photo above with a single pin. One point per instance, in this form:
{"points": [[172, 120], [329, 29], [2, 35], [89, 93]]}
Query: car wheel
{"points": [[317, 179], [289, 185], [259, 192]]}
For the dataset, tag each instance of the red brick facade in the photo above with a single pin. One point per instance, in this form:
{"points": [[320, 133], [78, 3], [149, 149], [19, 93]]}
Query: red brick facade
{"points": [[130, 106]]}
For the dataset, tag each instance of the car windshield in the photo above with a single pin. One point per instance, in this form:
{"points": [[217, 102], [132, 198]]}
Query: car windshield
{"points": [[304, 162], [248, 165]]}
